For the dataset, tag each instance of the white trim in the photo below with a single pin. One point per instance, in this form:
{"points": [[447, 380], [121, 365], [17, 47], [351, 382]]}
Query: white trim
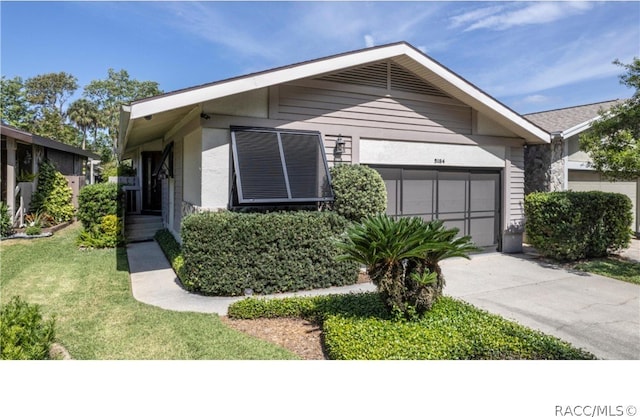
{"points": [[565, 165], [579, 128], [578, 165], [444, 78]]}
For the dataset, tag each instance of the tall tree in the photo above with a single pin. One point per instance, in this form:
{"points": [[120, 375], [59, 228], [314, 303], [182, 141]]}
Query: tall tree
{"points": [[84, 114], [14, 107], [116, 90], [613, 141], [48, 93]]}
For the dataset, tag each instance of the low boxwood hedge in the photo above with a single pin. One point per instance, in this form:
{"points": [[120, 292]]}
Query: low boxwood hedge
{"points": [[572, 225], [356, 326], [227, 252], [171, 249], [366, 304]]}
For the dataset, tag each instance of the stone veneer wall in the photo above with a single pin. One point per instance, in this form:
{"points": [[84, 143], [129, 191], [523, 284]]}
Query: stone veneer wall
{"points": [[544, 167]]}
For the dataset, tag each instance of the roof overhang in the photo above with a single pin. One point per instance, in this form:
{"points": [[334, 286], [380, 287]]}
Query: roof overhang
{"points": [[182, 101], [27, 137]]}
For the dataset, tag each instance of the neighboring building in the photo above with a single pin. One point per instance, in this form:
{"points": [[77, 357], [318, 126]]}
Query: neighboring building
{"points": [[561, 165], [21, 154], [445, 148]]}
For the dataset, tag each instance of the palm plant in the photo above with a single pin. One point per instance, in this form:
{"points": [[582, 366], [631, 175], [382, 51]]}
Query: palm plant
{"points": [[84, 114], [401, 257]]}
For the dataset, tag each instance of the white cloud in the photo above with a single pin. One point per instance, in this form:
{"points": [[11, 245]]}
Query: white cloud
{"points": [[584, 59], [535, 99], [505, 17], [474, 15], [368, 40]]}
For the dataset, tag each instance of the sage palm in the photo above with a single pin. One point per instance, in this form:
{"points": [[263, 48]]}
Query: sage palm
{"points": [[401, 257]]}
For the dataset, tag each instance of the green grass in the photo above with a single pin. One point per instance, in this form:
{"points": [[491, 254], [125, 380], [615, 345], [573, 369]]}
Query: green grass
{"points": [[356, 326], [89, 293], [614, 268]]}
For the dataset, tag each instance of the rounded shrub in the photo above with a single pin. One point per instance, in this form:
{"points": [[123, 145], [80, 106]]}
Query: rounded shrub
{"points": [[359, 191], [106, 234], [24, 334], [570, 225]]}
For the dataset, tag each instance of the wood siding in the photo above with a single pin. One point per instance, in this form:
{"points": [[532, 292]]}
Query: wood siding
{"points": [[356, 106], [516, 186]]}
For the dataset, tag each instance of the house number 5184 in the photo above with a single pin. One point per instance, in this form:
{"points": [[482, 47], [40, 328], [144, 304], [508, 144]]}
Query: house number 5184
{"points": [[438, 161]]}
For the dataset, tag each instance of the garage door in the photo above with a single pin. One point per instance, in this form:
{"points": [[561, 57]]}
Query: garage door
{"points": [[593, 181], [468, 200]]}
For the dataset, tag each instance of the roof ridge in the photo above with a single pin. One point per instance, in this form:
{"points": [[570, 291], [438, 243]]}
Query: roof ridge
{"points": [[573, 107], [274, 69]]}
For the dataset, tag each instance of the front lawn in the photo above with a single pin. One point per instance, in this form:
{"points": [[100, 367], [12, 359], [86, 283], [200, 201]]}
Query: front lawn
{"points": [[89, 293], [356, 326], [614, 268]]}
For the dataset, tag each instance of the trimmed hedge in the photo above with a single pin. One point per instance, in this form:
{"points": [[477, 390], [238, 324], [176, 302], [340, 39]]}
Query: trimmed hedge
{"points": [[359, 191], [226, 252], [96, 201], [355, 326], [569, 225], [366, 304], [171, 249]]}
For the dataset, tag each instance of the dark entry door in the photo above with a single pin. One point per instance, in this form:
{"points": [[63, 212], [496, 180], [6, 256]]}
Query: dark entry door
{"points": [[151, 184]]}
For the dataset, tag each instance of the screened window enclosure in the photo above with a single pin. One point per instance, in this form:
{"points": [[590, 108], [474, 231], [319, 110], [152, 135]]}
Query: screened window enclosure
{"points": [[468, 200], [279, 166]]}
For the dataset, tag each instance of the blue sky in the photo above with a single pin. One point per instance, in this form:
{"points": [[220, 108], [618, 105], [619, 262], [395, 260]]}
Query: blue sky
{"points": [[531, 56]]}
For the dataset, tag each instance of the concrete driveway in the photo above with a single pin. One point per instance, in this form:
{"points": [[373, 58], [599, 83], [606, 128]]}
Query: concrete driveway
{"points": [[599, 314]]}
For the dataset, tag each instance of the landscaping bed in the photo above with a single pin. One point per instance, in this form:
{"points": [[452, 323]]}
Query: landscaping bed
{"points": [[20, 233], [355, 326]]}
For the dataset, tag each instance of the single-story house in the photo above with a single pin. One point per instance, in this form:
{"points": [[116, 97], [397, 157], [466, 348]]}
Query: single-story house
{"points": [[561, 165], [444, 148], [21, 154]]}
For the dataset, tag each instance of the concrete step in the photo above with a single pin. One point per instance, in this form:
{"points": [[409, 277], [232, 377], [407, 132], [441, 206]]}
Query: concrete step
{"points": [[145, 226], [141, 228], [136, 219]]}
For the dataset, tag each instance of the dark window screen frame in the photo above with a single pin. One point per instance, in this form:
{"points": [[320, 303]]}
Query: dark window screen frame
{"points": [[273, 166]]}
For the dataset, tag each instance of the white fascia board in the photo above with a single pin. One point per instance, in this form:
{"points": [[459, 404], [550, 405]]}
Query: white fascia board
{"points": [[262, 80], [477, 95], [314, 68], [572, 131], [124, 127]]}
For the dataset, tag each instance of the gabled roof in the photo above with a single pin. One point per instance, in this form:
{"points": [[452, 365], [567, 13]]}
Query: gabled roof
{"points": [[570, 121], [402, 53], [27, 137]]}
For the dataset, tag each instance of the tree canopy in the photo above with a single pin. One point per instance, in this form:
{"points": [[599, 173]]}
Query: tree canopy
{"points": [[613, 141], [42, 105]]}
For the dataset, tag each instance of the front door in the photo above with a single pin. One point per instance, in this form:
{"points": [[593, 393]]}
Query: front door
{"points": [[151, 184]]}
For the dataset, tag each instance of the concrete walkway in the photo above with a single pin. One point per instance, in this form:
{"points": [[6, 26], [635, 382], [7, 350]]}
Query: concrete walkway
{"points": [[601, 315], [154, 282]]}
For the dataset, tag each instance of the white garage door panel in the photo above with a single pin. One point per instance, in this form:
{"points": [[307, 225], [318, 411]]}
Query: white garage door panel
{"points": [[592, 181]]}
